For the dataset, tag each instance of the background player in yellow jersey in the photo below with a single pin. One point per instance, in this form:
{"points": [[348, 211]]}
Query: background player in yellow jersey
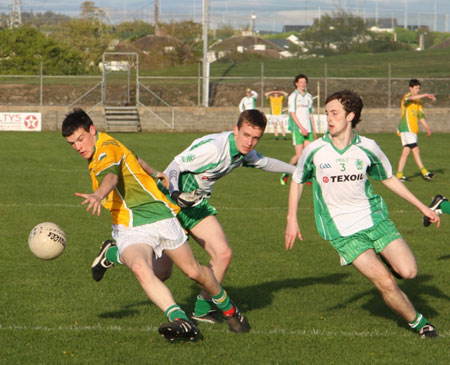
{"points": [[144, 225], [412, 114], [276, 98]]}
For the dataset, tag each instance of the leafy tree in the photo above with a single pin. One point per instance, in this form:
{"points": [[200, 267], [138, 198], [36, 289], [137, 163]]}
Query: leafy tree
{"points": [[336, 33], [184, 30], [226, 31], [23, 49], [406, 35], [91, 37], [133, 30]]}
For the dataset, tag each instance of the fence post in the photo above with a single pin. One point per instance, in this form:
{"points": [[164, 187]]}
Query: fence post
{"points": [[389, 86], [262, 84], [198, 85], [41, 91], [326, 79]]}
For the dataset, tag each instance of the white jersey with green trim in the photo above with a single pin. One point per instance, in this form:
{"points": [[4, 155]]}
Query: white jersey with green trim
{"points": [[344, 202], [303, 106], [209, 158]]}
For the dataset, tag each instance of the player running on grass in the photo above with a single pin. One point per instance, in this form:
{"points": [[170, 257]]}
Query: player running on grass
{"points": [[348, 213], [301, 120], [412, 114], [144, 225], [196, 169]]}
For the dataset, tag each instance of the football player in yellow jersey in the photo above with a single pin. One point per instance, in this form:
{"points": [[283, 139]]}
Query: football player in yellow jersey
{"points": [[412, 114], [145, 228], [276, 106]]}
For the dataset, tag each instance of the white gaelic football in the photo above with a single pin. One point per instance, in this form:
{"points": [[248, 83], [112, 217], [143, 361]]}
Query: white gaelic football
{"points": [[47, 241]]}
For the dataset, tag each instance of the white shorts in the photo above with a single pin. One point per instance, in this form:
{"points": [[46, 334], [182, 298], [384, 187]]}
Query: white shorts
{"points": [[276, 118], [166, 234], [408, 138]]}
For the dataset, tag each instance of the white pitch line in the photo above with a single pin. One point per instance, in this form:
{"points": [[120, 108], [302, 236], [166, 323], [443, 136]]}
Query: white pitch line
{"points": [[45, 205], [39, 205], [281, 332]]}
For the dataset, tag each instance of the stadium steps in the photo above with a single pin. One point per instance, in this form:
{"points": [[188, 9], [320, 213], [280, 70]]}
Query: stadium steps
{"points": [[122, 119]]}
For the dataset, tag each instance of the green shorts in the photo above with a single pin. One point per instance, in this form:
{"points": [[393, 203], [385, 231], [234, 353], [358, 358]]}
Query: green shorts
{"points": [[189, 217], [376, 238], [298, 138]]}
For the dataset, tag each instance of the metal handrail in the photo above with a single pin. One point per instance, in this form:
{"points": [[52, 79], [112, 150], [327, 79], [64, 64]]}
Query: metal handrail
{"points": [[84, 95], [171, 109]]}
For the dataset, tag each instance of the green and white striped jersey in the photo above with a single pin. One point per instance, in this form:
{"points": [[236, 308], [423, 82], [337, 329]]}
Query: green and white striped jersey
{"points": [[344, 202], [210, 157], [302, 106]]}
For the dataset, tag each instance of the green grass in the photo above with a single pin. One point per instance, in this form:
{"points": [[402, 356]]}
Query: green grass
{"points": [[433, 63], [303, 307]]}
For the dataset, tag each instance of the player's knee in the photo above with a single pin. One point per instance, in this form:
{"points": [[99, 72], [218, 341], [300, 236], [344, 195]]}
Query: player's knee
{"points": [[408, 273], [194, 272], [224, 256], [388, 284], [141, 271]]}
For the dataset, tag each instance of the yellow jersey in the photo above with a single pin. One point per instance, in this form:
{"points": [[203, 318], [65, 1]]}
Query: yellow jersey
{"points": [[136, 199], [276, 104], [412, 111]]}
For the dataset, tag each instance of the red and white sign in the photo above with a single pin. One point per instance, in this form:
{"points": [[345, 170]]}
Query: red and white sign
{"points": [[30, 122]]}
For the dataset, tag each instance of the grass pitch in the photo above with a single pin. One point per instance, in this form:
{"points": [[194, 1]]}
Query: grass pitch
{"points": [[303, 307]]}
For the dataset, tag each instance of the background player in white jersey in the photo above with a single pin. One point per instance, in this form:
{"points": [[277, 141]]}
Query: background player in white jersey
{"points": [[301, 120], [349, 214], [196, 169], [248, 101]]}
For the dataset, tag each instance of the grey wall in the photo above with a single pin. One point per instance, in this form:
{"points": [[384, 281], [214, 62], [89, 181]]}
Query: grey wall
{"points": [[194, 119]]}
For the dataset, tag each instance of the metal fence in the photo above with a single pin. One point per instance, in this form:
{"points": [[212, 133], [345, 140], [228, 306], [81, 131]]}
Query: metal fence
{"points": [[45, 90]]}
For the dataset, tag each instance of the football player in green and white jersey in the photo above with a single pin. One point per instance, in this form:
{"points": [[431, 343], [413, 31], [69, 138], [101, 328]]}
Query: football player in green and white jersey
{"points": [[349, 214], [248, 101], [301, 120], [195, 171]]}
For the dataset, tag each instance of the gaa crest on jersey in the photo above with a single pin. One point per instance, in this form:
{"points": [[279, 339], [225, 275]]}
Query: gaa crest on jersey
{"points": [[188, 158], [359, 164]]}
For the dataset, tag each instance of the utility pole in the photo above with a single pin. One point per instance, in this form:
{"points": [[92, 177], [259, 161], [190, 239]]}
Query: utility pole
{"points": [[156, 17], [15, 19], [205, 54]]}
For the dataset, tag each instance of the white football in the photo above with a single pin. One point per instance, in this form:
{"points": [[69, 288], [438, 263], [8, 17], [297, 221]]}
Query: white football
{"points": [[47, 241]]}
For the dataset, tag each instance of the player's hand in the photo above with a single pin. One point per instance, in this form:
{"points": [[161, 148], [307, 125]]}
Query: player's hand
{"points": [[93, 201], [163, 178], [185, 200], [432, 97], [428, 132], [432, 216], [291, 234]]}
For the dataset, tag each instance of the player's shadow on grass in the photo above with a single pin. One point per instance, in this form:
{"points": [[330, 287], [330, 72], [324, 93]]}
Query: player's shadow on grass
{"points": [[261, 295], [417, 291], [125, 312], [445, 257], [419, 175]]}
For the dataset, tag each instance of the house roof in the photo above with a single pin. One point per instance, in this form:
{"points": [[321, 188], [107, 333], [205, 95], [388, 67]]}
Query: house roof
{"points": [[245, 41]]}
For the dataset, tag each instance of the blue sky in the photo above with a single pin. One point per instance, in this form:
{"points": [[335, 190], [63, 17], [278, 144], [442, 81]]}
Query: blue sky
{"points": [[270, 14]]}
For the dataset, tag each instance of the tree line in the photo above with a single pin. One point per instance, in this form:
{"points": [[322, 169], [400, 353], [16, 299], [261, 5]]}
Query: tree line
{"points": [[70, 46]]}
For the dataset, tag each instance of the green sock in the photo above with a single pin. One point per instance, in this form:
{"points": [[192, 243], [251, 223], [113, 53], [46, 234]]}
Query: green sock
{"points": [[418, 322], [112, 255], [202, 306], [174, 312], [222, 301], [445, 207]]}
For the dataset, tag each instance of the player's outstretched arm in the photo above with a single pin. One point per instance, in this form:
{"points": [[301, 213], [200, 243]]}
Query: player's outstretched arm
{"points": [[94, 200], [396, 186], [154, 173], [292, 228]]}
